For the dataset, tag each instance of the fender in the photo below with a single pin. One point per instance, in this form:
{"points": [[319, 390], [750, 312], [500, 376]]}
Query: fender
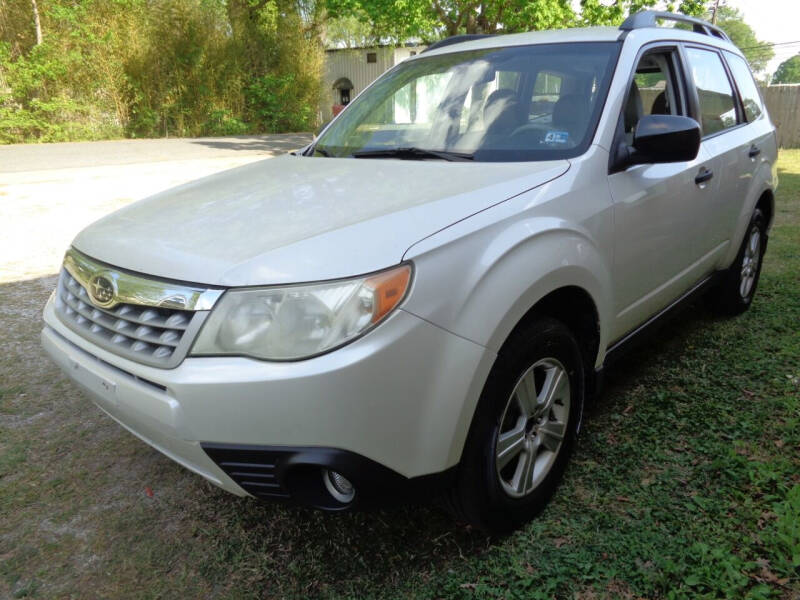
{"points": [[498, 263], [493, 288]]}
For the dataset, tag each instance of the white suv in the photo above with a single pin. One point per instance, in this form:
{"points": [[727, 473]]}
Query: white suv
{"points": [[419, 303]]}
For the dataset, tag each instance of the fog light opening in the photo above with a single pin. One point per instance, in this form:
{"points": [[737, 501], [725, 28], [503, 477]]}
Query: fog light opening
{"points": [[338, 486]]}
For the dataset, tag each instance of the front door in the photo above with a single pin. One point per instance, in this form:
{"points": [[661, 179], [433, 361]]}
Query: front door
{"points": [[659, 209]]}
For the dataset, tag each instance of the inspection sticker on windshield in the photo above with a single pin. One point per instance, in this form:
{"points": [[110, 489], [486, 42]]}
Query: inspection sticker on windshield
{"points": [[556, 137]]}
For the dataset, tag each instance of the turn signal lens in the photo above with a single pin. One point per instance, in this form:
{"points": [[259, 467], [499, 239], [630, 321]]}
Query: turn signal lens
{"points": [[388, 289]]}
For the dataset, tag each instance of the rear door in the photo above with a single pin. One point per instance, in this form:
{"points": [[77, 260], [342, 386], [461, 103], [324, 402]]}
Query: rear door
{"points": [[660, 211], [715, 106], [756, 140]]}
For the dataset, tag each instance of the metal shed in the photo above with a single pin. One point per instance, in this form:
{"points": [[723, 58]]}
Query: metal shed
{"points": [[349, 70]]}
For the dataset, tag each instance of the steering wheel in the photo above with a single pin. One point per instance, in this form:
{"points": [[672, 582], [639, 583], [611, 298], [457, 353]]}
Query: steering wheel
{"points": [[531, 132]]}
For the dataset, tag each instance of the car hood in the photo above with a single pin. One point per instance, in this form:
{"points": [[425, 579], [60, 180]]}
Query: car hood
{"points": [[293, 219]]}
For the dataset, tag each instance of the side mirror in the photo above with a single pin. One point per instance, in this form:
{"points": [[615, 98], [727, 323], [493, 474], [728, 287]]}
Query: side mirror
{"points": [[664, 139]]}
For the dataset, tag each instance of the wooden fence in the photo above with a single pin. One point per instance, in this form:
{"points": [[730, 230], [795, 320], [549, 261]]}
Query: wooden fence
{"points": [[783, 104]]}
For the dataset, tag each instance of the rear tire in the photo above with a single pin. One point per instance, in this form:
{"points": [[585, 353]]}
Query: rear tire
{"points": [[734, 293], [523, 430]]}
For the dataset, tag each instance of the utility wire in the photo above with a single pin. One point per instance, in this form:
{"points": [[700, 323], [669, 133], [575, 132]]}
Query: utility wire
{"points": [[764, 45]]}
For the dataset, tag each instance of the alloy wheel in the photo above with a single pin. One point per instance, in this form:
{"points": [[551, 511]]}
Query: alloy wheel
{"points": [[752, 255], [533, 427]]}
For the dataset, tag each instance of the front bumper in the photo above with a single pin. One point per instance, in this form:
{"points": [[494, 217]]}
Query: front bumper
{"points": [[400, 398]]}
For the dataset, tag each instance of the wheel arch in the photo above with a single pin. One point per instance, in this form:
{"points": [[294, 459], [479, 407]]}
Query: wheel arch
{"points": [[766, 202], [760, 195], [481, 279], [573, 306], [570, 304]]}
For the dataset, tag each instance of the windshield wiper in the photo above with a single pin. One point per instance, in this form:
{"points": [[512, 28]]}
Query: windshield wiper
{"points": [[317, 150], [411, 153]]}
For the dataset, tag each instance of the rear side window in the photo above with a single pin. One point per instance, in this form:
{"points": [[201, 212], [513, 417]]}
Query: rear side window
{"points": [[751, 99], [717, 108], [546, 92]]}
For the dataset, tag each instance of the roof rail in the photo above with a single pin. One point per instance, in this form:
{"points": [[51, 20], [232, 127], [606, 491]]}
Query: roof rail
{"points": [[456, 39], [650, 18]]}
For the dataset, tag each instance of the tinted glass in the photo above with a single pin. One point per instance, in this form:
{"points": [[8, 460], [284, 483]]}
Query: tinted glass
{"points": [[717, 108], [537, 102], [655, 85], [651, 91], [546, 92], [751, 99]]}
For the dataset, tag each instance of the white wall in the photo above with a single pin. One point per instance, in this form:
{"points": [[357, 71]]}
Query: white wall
{"points": [[352, 64]]}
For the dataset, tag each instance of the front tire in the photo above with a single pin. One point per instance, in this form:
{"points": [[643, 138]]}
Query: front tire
{"points": [[523, 430], [734, 293]]}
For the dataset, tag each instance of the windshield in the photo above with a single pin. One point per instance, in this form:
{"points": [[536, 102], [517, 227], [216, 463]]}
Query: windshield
{"points": [[516, 103]]}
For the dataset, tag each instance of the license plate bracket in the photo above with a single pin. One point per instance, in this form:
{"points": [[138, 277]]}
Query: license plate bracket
{"points": [[105, 388]]}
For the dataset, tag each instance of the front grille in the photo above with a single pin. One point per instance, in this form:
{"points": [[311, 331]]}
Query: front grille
{"points": [[254, 470], [151, 335]]}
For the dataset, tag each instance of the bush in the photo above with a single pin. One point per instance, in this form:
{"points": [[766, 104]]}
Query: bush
{"points": [[149, 68], [273, 105]]}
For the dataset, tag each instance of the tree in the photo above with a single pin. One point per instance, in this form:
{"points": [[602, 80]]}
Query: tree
{"points": [[788, 71], [400, 20], [37, 23], [601, 12], [394, 21], [349, 32], [468, 16], [757, 53], [108, 68]]}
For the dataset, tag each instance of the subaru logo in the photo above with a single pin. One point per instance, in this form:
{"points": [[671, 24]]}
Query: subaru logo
{"points": [[101, 290]]}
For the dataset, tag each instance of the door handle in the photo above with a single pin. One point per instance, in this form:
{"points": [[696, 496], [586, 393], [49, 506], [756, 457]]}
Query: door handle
{"points": [[703, 176], [754, 151]]}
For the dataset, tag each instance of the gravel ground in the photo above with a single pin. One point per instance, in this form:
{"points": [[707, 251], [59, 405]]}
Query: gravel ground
{"points": [[49, 192]]}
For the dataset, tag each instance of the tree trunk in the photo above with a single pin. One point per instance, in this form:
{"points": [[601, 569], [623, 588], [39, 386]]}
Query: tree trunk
{"points": [[36, 22], [471, 25]]}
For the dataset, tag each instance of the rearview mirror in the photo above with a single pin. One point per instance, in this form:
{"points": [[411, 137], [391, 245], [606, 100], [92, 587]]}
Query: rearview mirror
{"points": [[665, 139]]}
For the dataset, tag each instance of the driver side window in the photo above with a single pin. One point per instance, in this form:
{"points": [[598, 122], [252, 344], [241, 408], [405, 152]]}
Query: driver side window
{"points": [[653, 90]]}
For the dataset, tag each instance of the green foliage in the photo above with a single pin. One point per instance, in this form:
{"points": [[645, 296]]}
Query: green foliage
{"points": [[785, 535], [387, 20], [271, 100], [399, 20], [148, 68], [527, 15], [757, 53], [599, 12], [788, 71], [349, 31]]}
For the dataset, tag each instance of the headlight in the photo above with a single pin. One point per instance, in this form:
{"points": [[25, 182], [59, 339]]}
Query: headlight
{"points": [[300, 321]]}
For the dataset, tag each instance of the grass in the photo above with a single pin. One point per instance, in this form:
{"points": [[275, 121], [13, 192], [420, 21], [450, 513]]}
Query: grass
{"points": [[686, 484]]}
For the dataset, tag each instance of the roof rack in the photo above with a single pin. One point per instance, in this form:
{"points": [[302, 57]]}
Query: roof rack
{"points": [[456, 39], [650, 18]]}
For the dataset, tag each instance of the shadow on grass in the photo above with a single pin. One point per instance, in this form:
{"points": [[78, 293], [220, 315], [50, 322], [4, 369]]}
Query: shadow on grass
{"points": [[665, 337]]}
